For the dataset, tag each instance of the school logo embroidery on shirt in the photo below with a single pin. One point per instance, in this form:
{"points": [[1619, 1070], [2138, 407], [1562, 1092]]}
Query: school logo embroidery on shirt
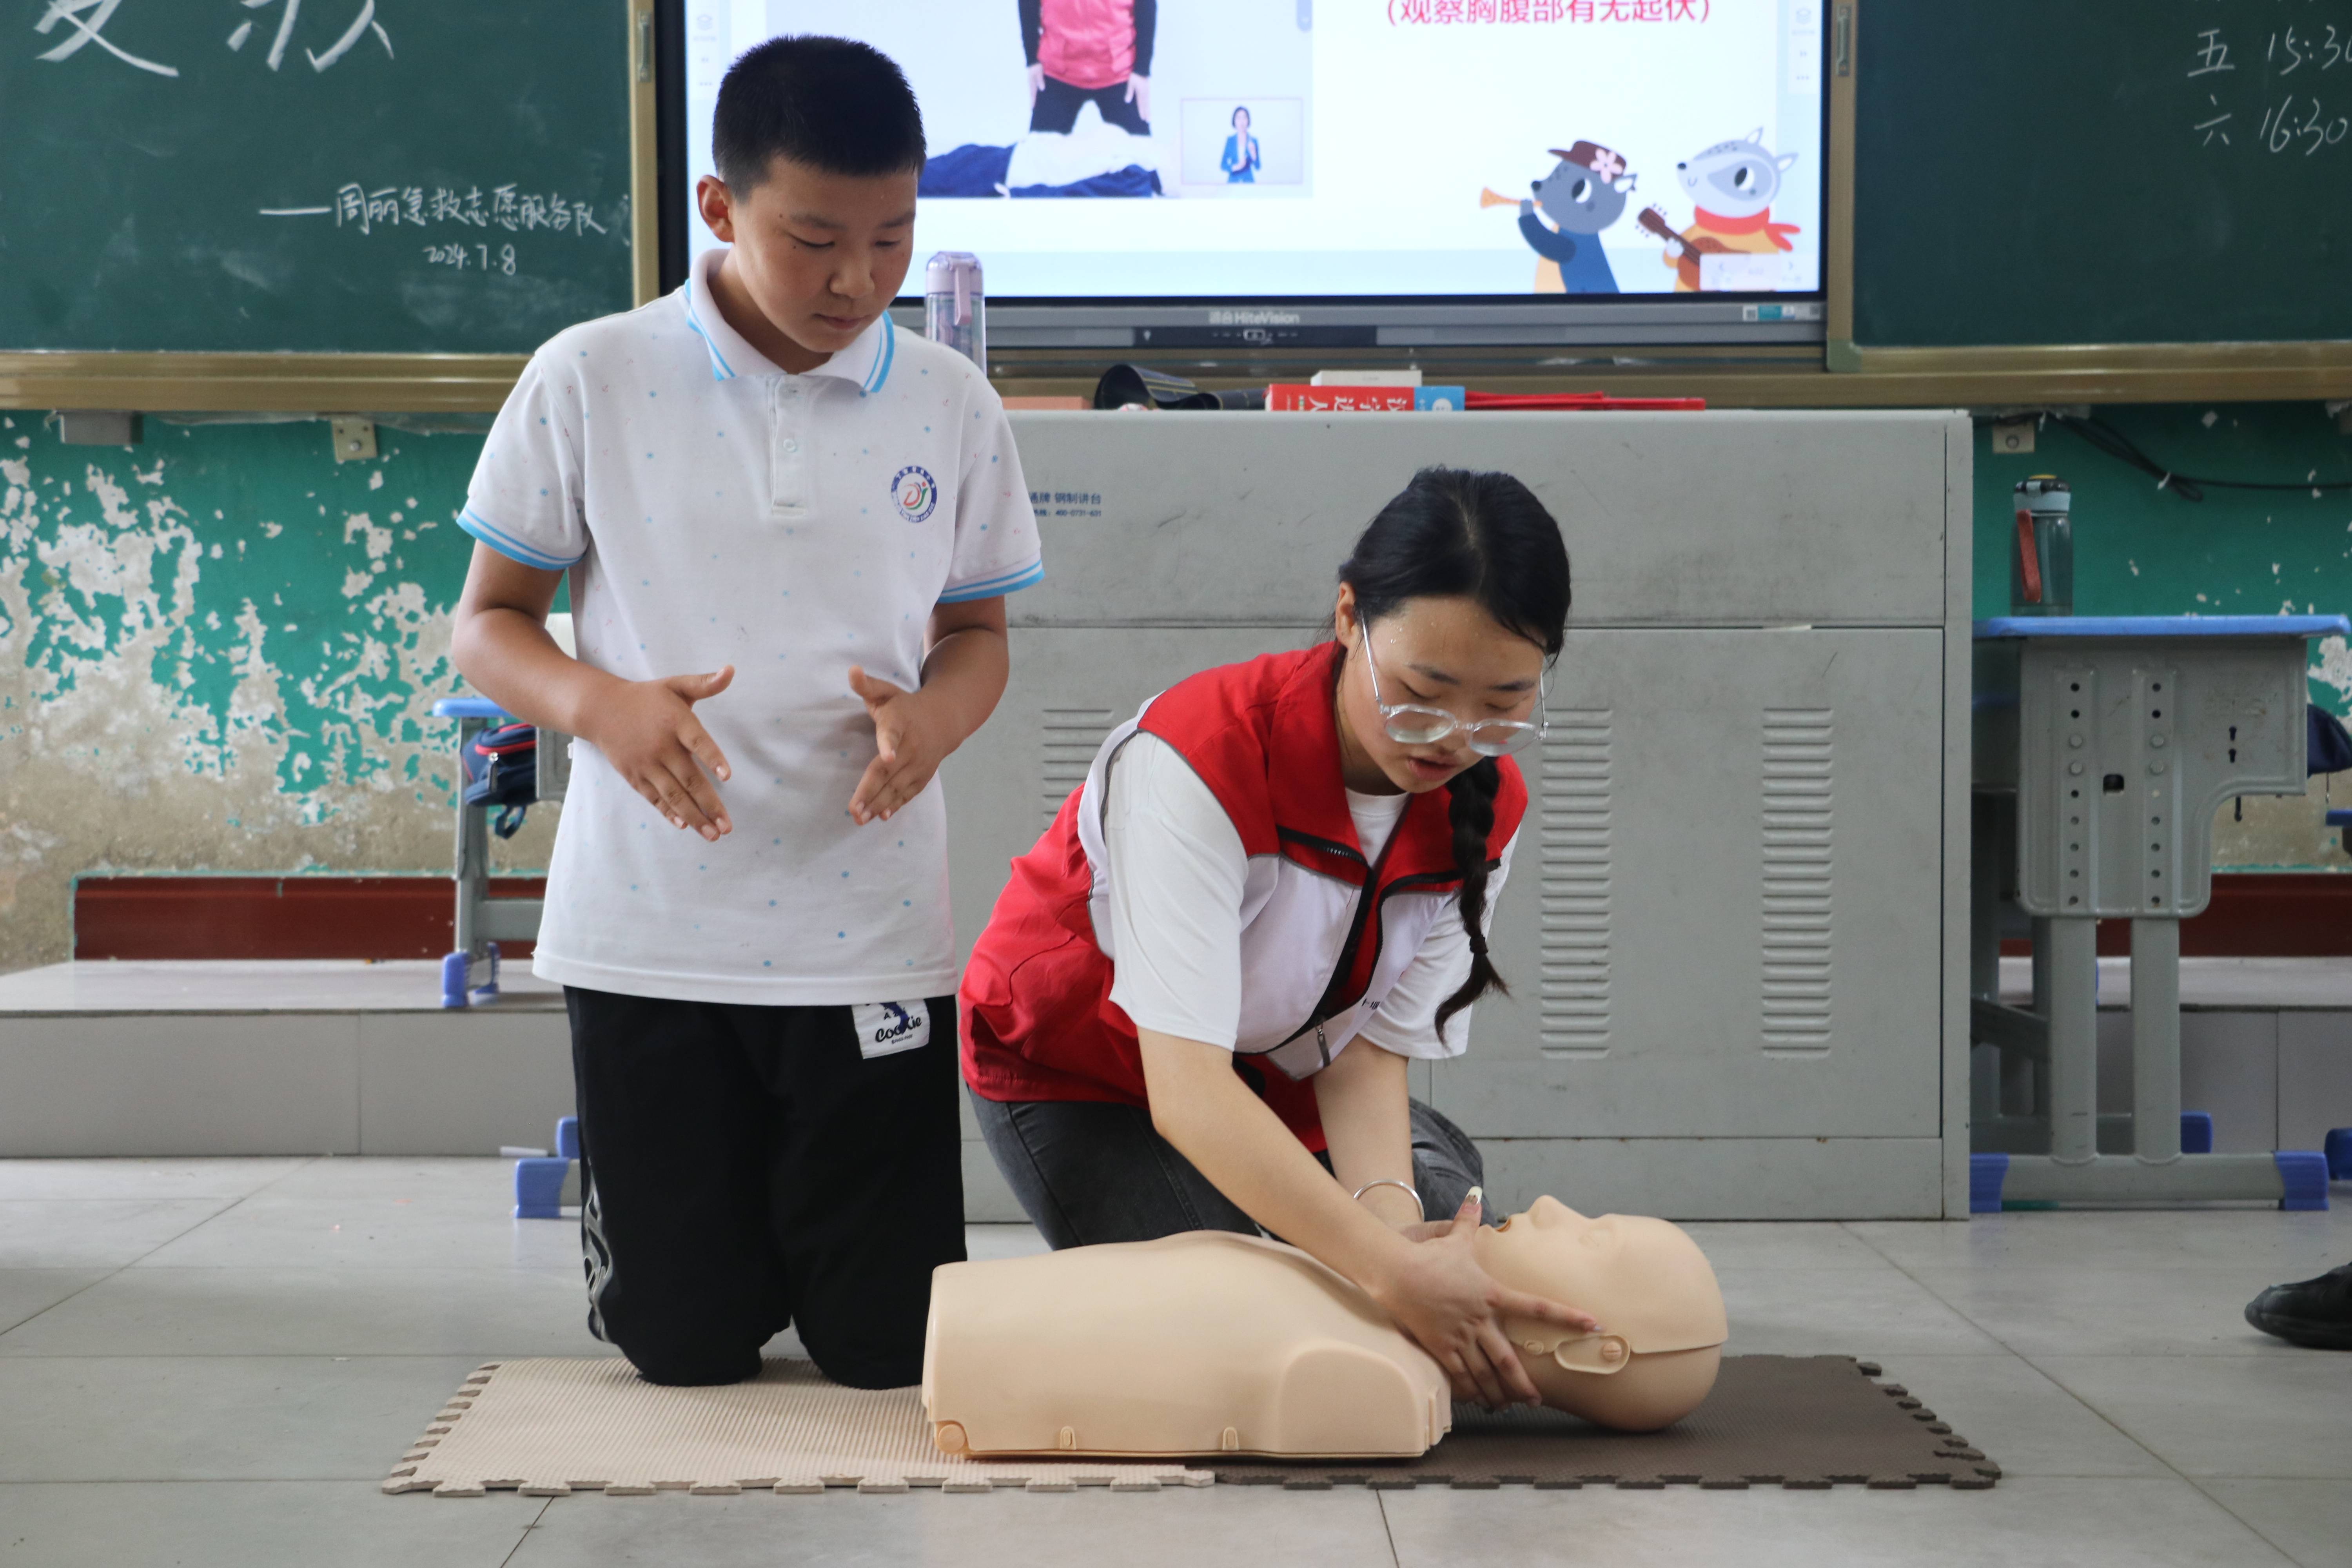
{"points": [[915, 492]]}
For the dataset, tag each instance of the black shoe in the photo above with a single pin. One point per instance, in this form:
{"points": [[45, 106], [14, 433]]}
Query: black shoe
{"points": [[2313, 1312]]}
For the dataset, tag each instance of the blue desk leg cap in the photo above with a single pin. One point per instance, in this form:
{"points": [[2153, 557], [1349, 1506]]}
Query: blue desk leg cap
{"points": [[539, 1188], [2304, 1174], [567, 1137], [2339, 1154], [453, 980], [2196, 1132], [1987, 1173]]}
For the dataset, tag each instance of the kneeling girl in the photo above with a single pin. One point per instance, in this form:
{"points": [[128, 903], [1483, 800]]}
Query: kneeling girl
{"points": [[1195, 1002]]}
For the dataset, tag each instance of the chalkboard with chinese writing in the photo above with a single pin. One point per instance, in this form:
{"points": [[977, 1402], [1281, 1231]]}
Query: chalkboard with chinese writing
{"points": [[2102, 171], [322, 175]]}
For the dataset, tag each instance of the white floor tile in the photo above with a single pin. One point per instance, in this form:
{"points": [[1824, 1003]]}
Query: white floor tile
{"points": [[2108, 1311], [486, 1313], [1870, 1313], [95, 1232], [487, 1182], [252, 1524], [2279, 1417], [374, 1232], [214, 1355], [139, 1178], [2026, 1523], [2268, 1245], [1183, 1528], [171, 1418], [2025, 1422], [985, 1242], [25, 1292], [2311, 1521], [1782, 1244]]}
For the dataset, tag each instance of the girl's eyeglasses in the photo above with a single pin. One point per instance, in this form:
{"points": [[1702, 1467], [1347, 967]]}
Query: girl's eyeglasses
{"points": [[1410, 724]]}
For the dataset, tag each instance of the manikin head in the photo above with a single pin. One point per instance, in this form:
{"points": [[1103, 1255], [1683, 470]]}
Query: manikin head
{"points": [[1650, 1287]]}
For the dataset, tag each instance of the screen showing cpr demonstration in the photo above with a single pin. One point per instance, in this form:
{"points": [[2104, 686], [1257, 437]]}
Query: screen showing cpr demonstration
{"points": [[1152, 150]]}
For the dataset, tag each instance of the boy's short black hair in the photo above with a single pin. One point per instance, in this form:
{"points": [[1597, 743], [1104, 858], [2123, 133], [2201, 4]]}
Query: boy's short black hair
{"points": [[834, 105]]}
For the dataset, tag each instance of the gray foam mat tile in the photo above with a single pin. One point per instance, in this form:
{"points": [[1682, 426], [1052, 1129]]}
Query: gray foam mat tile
{"points": [[1803, 1423]]}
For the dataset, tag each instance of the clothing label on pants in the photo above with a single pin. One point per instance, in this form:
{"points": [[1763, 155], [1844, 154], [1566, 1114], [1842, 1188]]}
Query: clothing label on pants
{"points": [[885, 1028]]}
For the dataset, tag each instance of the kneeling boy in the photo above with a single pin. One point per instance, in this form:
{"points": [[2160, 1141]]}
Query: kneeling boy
{"points": [[789, 528]]}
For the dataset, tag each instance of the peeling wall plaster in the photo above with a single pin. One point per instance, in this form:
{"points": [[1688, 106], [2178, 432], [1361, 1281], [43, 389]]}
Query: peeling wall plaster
{"points": [[217, 652]]}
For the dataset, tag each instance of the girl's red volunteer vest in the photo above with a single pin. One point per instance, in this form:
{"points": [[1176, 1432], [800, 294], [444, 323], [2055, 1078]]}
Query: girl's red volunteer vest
{"points": [[1324, 934]]}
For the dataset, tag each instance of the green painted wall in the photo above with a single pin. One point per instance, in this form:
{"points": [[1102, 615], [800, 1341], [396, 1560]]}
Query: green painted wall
{"points": [[216, 653], [217, 648], [2139, 551]]}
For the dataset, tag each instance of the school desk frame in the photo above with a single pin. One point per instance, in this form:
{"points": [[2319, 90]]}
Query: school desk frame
{"points": [[1735, 929], [2103, 746]]}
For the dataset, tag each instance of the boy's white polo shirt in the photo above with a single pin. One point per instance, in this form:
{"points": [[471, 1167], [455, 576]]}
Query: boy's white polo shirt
{"points": [[713, 510]]}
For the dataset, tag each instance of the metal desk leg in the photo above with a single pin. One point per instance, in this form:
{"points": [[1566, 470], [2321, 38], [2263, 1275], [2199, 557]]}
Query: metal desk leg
{"points": [[1984, 900], [2026, 1083], [471, 880], [2155, 1040], [2073, 1014]]}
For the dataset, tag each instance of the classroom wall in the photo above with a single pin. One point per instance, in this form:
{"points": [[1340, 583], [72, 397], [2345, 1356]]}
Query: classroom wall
{"points": [[217, 648], [2139, 551], [217, 651]]}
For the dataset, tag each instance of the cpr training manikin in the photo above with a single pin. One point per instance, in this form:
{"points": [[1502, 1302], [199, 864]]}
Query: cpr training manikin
{"points": [[1211, 1341]]}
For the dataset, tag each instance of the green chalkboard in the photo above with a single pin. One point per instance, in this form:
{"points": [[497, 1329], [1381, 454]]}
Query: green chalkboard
{"points": [[446, 176], [2102, 170]]}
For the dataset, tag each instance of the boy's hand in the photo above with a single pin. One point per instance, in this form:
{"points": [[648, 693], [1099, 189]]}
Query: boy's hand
{"points": [[647, 731], [909, 748]]}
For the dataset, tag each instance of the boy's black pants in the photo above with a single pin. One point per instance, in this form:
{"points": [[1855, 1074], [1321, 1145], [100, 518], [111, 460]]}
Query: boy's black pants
{"points": [[745, 1168]]}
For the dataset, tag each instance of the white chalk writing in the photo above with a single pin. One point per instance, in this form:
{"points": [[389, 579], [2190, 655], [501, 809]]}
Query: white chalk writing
{"points": [[1508, 13], [88, 19], [2212, 128], [2291, 123], [462, 256], [361, 24], [2283, 127], [2213, 54], [507, 206]]}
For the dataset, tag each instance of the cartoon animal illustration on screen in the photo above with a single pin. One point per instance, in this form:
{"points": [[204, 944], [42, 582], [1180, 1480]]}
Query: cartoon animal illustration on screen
{"points": [[1583, 194], [1731, 186]]}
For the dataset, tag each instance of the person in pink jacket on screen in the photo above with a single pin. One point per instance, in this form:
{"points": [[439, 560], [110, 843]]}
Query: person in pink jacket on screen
{"points": [[1089, 49]]}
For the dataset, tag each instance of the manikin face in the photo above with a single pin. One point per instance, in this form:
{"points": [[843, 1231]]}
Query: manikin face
{"points": [[1660, 1309]]}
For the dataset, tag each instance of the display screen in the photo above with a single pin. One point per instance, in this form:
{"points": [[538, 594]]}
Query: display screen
{"points": [[1399, 150]]}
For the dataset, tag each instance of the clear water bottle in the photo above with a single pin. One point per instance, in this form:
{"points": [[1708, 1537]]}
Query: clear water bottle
{"points": [[2042, 556], [954, 313]]}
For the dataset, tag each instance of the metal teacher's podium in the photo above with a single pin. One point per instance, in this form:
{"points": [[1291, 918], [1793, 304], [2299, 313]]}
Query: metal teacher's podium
{"points": [[2103, 746]]}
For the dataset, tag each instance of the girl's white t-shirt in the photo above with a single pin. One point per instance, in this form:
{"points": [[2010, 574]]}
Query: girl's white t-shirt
{"points": [[1175, 911]]}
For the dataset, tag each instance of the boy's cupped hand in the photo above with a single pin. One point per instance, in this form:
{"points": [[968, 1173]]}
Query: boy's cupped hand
{"points": [[909, 748], [647, 731]]}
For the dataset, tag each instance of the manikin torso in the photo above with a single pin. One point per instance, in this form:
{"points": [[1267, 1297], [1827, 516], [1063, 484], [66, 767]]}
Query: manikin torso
{"points": [[1209, 1341]]}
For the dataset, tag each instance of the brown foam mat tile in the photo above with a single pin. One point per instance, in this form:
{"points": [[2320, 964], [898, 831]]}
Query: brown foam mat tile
{"points": [[1800, 1422], [548, 1427]]}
